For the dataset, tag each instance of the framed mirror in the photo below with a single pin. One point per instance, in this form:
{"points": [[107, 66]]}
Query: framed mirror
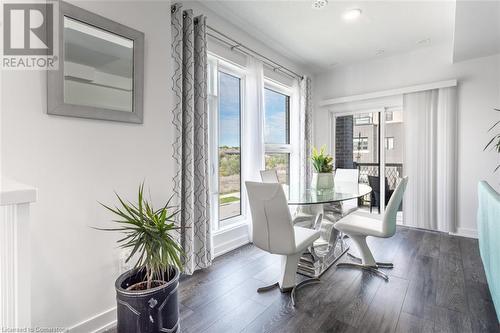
{"points": [[101, 68]]}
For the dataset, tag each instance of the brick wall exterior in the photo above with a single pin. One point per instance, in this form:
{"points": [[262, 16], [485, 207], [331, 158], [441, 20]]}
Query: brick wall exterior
{"points": [[343, 142]]}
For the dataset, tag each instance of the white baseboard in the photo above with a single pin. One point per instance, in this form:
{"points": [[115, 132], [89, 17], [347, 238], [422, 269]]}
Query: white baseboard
{"points": [[463, 232], [97, 323], [230, 239], [230, 245], [466, 232]]}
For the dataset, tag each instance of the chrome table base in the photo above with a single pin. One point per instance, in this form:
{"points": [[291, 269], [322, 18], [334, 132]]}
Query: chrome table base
{"points": [[326, 251]]}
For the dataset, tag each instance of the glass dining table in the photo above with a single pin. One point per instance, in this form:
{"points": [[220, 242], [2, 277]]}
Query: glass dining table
{"points": [[320, 209]]}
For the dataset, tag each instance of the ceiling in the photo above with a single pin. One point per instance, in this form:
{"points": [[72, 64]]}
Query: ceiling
{"points": [[477, 29], [322, 39]]}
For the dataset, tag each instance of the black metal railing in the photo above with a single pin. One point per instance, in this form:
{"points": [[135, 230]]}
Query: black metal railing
{"points": [[393, 171]]}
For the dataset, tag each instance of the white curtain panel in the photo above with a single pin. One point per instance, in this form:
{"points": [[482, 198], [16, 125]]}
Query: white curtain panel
{"points": [[253, 128], [190, 120], [305, 131], [253, 121], [430, 125]]}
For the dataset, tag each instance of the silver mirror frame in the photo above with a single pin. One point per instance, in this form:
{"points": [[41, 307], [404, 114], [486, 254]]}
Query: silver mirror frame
{"points": [[55, 78]]}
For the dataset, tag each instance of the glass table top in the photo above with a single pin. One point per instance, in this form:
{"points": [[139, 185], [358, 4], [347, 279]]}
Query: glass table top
{"points": [[341, 191]]}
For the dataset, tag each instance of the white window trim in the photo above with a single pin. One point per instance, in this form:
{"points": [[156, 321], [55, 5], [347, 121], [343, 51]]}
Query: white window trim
{"points": [[288, 148], [237, 221], [236, 232]]}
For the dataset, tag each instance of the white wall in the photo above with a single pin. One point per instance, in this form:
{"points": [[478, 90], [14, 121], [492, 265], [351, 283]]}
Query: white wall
{"points": [[77, 162], [479, 93]]}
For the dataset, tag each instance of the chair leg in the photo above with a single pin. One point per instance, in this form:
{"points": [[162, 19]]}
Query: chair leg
{"points": [[366, 255], [379, 264], [368, 263], [267, 288], [287, 280], [372, 269], [288, 271]]}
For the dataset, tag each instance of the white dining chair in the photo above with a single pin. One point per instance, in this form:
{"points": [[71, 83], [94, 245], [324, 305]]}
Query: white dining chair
{"points": [[359, 227], [337, 210], [347, 176], [300, 217], [269, 176], [274, 232]]}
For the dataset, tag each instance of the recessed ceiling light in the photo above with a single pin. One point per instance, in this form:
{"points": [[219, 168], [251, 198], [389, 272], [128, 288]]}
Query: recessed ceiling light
{"points": [[318, 4], [352, 14]]}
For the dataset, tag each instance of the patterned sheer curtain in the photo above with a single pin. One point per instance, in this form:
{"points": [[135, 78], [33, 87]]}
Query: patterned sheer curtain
{"points": [[305, 131], [190, 120]]}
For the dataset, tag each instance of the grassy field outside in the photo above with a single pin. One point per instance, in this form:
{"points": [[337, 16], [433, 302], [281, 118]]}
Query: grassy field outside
{"points": [[230, 177], [226, 200]]}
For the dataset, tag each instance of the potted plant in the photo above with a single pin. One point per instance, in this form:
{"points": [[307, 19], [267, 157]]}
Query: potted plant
{"points": [[323, 169], [147, 294], [495, 140]]}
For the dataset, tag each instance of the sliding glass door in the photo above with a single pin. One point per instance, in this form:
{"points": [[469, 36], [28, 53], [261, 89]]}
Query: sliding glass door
{"points": [[366, 155], [371, 142], [393, 150]]}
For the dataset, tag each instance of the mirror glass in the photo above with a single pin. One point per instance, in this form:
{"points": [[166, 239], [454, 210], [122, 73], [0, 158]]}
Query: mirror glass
{"points": [[98, 67]]}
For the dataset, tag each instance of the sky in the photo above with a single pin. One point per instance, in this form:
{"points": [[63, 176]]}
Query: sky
{"points": [[229, 113]]}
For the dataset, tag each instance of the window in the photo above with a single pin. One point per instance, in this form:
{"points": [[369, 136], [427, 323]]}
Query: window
{"points": [[360, 144], [389, 143], [277, 108], [280, 162], [363, 119], [229, 145], [232, 140], [389, 116], [277, 132]]}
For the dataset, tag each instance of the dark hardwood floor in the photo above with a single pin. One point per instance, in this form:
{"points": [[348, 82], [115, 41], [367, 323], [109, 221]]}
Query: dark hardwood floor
{"points": [[437, 285]]}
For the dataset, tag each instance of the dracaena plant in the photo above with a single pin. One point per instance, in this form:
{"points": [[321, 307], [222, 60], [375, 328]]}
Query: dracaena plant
{"points": [[495, 140], [322, 162], [149, 233]]}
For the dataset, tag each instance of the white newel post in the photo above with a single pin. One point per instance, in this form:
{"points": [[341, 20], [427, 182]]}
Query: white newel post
{"points": [[15, 279]]}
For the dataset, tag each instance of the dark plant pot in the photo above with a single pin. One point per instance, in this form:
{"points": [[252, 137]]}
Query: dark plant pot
{"points": [[147, 311]]}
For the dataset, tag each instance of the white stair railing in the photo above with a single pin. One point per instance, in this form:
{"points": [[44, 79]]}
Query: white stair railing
{"points": [[15, 277]]}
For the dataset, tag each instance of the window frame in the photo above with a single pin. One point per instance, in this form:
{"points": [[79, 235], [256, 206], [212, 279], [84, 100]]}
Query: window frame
{"points": [[222, 65], [364, 139], [387, 140], [279, 148], [361, 116], [389, 116]]}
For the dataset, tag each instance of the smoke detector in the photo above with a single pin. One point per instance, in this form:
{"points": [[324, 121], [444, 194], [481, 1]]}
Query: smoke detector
{"points": [[318, 4]]}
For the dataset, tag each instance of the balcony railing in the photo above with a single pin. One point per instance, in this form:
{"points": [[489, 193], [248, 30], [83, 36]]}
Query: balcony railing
{"points": [[393, 171]]}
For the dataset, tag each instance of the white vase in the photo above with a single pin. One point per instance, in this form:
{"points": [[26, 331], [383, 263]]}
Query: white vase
{"points": [[321, 181]]}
